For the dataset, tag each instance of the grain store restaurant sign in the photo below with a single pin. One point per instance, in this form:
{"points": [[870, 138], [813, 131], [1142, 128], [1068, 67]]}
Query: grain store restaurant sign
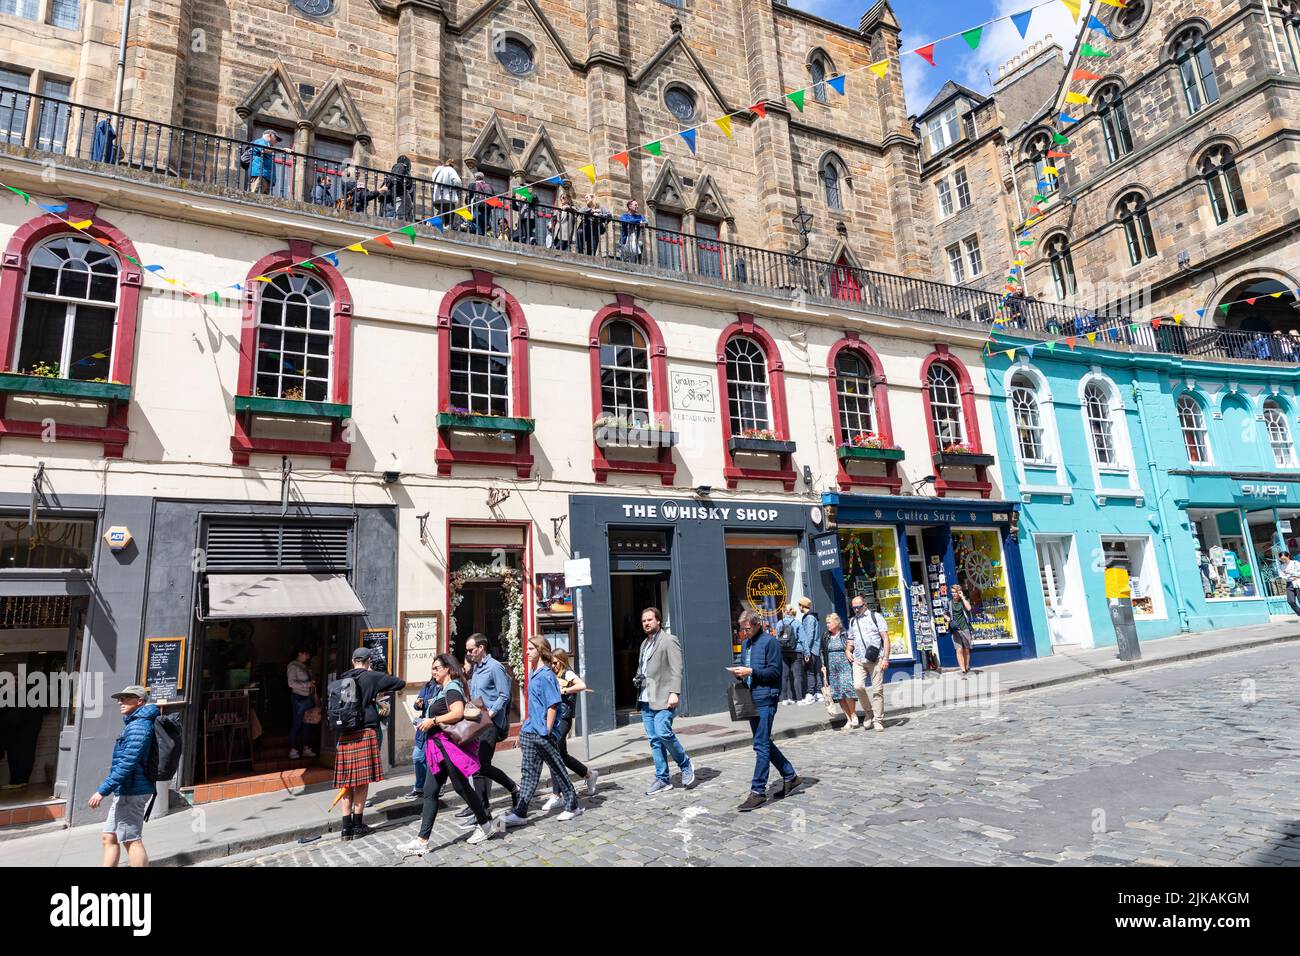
{"points": [[701, 563]]}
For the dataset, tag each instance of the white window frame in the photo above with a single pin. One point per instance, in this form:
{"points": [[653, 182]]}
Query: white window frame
{"points": [[71, 305], [284, 329], [957, 416], [1027, 420], [956, 265], [1197, 428], [1146, 582], [1119, 435], [470, 352], [1051, 439], [974, 258], [944, 190], [761, 398], [961, 186], [943, 130], [866, 398], [1280, 439], [629, 413]]}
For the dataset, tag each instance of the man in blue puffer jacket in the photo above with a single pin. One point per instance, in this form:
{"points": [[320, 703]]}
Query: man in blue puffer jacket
{"points": [[261, 169], [760, 669], [132, 791]]}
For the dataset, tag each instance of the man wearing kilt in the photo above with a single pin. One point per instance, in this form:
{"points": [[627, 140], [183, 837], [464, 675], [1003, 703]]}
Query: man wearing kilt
{"points": [[356, 756]]}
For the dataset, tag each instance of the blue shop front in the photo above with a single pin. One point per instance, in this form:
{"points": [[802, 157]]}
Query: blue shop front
{"points": [[903, 554]]}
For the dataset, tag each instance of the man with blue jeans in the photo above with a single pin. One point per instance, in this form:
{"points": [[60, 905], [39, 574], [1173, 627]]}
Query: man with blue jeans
{"points": [[659, 688], [427, 693], [489, 683], [760, 669], [810, 648]]}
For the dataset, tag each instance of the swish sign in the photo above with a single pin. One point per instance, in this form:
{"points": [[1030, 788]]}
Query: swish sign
{"points": [[1251, 490]]}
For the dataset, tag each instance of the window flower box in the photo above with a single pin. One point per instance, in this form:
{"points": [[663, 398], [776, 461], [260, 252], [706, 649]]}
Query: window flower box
{"points": [[466, 421], [771, 446], [962, 459], [869, 453], [615, 433], [292, 408], [15, 383]]}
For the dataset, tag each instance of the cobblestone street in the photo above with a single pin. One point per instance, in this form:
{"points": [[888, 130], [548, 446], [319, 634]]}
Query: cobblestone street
{"points": [[1195, 763]]}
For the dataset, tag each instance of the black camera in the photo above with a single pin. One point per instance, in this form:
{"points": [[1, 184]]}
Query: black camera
{"points": [[638, 681]]}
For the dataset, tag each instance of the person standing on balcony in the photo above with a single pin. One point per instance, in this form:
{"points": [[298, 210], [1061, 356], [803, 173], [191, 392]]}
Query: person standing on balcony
{"points": [[447, 189], [592, 226], [322, 194], [631, 226], [261, 165], [399, 189], [480, 193], [564, 225]]}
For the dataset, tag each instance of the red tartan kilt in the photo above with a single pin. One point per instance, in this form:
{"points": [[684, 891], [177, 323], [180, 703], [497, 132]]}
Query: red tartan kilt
{"points": [[356, 759]]}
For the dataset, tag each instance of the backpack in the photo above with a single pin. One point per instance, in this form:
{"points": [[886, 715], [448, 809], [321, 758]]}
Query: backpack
{"points": [[165, 755], [786, 637], [345, 709], [246, 156]]}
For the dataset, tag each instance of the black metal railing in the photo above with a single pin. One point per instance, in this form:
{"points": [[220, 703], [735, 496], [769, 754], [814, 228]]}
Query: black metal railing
{"points": [[544, 220]]}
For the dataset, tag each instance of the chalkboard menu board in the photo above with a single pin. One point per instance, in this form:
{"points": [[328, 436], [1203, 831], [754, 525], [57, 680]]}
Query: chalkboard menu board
{"points": [[380, 642], [163, 670]]}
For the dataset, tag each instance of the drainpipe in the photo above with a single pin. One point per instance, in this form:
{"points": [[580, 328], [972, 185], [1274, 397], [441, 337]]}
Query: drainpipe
{"points": [[1272, 35], [1184, 622], [121, 58]]}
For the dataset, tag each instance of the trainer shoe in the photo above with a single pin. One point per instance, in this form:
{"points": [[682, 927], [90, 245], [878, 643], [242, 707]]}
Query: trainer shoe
{"points": [[294, 755], [308, 752], [752, 802], [481, 835], [819, 698], [414, 847], [568, 815], [468, 823], [415, 794], [877, 725], [551, 803], [464, 812], [592, 777], [512, 819], [659, 786], [688, 775]]}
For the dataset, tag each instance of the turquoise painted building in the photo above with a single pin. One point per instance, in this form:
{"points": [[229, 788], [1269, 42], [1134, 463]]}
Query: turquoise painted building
{"points": [[1182, 471]]}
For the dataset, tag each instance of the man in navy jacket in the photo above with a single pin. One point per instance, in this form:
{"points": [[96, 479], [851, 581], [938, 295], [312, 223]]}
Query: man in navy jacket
{"points": [[760, 657]]}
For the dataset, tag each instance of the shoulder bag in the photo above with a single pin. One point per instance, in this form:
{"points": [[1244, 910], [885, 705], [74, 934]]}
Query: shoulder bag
{"points": [[312, 715], [740, 702], [470, 727]]}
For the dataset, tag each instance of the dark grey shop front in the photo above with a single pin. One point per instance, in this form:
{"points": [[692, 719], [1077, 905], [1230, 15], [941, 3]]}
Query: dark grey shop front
{"points": [[701, 561]]}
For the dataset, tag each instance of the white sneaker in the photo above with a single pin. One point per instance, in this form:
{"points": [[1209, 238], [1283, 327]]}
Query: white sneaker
{"points": [[803, 703], [568, 815], [308, 752], [592, 777], [294, 755], [819, 698], [688, 776], [498, 825], [414, 847], [481, 835], [511, 820], [785, 702], [807, 698], [551, 803]]}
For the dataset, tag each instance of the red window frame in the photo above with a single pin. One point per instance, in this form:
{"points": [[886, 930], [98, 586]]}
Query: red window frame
{"points": [[243, 443], [942, 485], [483, 285], [115, 433], [880, 407], [733, 473]]}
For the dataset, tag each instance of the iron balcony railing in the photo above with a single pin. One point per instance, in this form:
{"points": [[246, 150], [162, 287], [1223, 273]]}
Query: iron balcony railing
{"points": [[207, 160]]}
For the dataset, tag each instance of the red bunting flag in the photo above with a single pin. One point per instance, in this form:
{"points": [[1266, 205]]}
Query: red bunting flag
{"points": [[1070, 342], [1155, 323], [926, 53], [760, 109], [1057, 154], [1083, 76], [1251, 301], [621, 158], [384, 241], [496, 202]]}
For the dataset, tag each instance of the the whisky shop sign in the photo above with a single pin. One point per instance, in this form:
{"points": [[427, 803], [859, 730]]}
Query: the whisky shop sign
{"points": [[693, 511]]}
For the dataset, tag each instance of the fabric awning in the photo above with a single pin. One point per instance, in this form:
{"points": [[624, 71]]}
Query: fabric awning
{"points": [[281, 595]]}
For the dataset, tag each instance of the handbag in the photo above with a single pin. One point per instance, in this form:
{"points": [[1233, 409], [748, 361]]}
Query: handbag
{"points": [[312, 715], [832, 708], [466, 730], [740, 702]]}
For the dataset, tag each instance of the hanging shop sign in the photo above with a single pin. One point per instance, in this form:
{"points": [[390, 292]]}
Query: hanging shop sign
{"points": [[421, 642], [826, 547]]}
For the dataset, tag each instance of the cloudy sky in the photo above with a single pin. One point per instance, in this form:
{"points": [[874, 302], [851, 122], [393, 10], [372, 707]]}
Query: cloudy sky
{"points": [[927, 20]]}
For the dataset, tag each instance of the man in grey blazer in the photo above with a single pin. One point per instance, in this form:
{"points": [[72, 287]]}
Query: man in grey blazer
{"points": [[659, 688]]}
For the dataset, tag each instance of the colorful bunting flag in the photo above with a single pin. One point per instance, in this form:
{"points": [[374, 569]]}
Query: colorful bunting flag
{"points": [[589, 171], [331, 258], [1200, 313], [1092, 338], [409, 231], [1115, 3], [926, 53], [214, 296], [1073, 7], [496, 202], [621, 158], [1178, 318], [1021, 20], [654, 149], [262, 279], [1113, 333], [55, 208], [358, 247], [26, 198], [435, 221], [1076, 98], [1155, 322], [879, 68], [1060, 139], [796, 98], [1083, 76], [724, 124], [524, 193], [1069, 341], [1067, 118], [1050, 346], [1251, 301], [1011, 353], [1095, 24], [1026, 242], [1224, 308], [555, 181], [1133, 327], [972, 37], [1089, 50], [760, 109], [383, 240], [1029, 350], [80, 226], [465, 214], [154, 268], [1051, 171], [1275, 295], [1057, 154], [689, 136], [836, 83]]}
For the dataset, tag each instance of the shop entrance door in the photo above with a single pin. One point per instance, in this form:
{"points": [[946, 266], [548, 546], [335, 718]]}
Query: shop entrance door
{"points": [[630, 594], [1067, 615]]}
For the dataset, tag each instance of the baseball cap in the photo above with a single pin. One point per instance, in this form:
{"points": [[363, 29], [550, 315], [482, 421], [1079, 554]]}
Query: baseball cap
{"points": [[361, 654], [135, 690]]}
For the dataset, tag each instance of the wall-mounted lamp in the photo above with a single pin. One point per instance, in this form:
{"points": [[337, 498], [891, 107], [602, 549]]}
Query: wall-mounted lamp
{"points": [[424, 526], [392, 477], [702, 491], [807, 476]]}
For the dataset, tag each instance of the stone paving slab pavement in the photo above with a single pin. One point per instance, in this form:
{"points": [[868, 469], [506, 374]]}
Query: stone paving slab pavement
{"points": [[218, 830]]}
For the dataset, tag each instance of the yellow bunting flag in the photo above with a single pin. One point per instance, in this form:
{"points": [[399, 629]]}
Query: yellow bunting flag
{"points": [[1076, 98], [1073, 7], [724, 124], [1178, 318], [1011, 353], [1017, 262], [1275, 295], [880, 69], [358, 247], [1051, 171], [1114, 3], [261, 279], [1092, 338], [589, 171], [465, 214], [167, 280], [83, 224]]}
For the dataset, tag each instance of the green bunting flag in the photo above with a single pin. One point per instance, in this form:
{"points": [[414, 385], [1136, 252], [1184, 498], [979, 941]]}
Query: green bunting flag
{"points": [[409, 232], [1060, 139], [26, 198], [796, 98], [1050, 346], [215, 296], [524, 193], [1089, 50], [654, 149], [1026, 242], [1224, 308], [972, 37]]}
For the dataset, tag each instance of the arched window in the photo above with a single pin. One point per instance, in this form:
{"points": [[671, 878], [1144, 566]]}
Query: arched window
{"points": [[1129, 19], [1028, 420], [853, 388], [1101, 430], [747, 393], [1134, 217], [1114, 122], [295, 338], [1036, 150], [834, 178], [817, 71], [69, 310], [480, 358], [1195, 69], [1279, 435], [1062, 263], [945, 406], [1222, 182], [624, 372], [1191, 419]]}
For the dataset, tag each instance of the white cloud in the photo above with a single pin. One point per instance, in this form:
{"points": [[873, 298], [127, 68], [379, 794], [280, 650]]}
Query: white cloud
{"points": [[998, 44]]}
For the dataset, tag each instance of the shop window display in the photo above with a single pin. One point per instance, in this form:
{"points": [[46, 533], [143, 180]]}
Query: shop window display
{"points": [[983, 576], [1133, 555], [765, 575], [1224, 556], [872, 569]]}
